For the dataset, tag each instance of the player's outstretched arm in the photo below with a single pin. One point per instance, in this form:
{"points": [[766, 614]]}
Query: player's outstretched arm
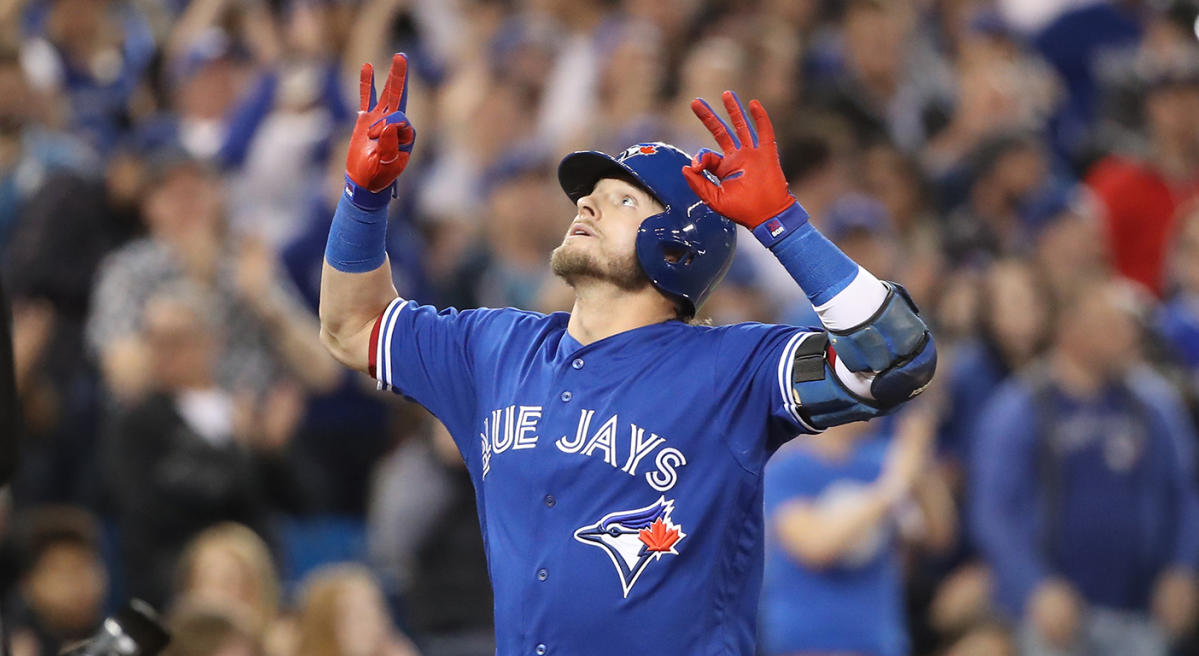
{"points": [[877, 352], [356, 280]]}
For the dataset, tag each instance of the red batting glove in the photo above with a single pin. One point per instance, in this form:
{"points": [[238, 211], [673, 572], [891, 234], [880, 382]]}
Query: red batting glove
{"points": [[383, 136], [752, 186]]}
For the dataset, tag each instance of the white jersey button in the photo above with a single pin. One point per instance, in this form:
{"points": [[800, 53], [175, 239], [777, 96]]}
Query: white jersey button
{"points": [[565, 397], [577, 364]]}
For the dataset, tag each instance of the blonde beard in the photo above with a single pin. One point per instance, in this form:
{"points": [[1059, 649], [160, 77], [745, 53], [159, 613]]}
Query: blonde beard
{"points": [[571, 266]]}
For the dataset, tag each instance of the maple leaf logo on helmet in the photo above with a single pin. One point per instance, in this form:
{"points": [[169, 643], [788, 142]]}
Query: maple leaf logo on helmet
{"points": [[635, 538], [639, 149]]}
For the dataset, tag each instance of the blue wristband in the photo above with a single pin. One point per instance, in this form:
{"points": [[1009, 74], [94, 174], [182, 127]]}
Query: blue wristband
{"points": [[366, 199], [357, 237], [785, 223], [820, 268]]}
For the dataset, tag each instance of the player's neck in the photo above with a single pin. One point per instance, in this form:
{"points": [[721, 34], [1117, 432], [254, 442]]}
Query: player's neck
{"points": [[602, 310]]}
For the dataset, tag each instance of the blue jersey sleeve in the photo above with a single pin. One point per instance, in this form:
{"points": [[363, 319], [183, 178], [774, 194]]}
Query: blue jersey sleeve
{"points": [[424, 354], [754, 365]]}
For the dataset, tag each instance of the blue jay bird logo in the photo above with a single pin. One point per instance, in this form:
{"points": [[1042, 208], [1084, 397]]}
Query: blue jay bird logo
{"points": [[634, 538]]}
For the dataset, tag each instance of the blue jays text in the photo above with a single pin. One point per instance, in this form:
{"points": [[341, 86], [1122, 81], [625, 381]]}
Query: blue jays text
{"points": [[515, 427]]}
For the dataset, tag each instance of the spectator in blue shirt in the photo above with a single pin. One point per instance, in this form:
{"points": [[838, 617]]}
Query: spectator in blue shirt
{"points": [[832, 580], [96, 53], [31, 150], [1084, 499]]}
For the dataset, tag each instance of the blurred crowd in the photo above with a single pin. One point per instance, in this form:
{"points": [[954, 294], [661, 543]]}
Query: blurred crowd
{"points": [[1028, 169]]}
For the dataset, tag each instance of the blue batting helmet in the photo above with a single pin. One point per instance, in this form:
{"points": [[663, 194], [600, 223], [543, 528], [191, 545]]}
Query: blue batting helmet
{"points": [[686, 250]]}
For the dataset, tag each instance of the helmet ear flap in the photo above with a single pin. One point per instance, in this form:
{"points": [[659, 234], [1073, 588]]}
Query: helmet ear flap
{"points": [[685, 254]]}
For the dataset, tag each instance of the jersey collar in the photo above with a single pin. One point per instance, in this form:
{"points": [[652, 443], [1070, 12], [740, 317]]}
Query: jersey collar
{"points": [[569, 347]]}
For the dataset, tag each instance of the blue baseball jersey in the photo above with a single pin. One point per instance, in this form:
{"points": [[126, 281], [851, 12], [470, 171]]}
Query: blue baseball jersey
{"points": [[619, 484]]}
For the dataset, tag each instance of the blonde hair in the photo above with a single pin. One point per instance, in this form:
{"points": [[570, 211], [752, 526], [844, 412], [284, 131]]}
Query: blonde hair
{"points": [[319, 606], [250, 551]]}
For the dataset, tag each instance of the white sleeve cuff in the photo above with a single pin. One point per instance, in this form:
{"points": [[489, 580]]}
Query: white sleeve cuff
{"points": [[382, 348], [852, 306]]}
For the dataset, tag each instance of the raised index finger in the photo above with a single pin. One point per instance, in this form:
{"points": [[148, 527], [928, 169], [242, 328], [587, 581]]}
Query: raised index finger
{"points": [[366, 88], [720, 131]]}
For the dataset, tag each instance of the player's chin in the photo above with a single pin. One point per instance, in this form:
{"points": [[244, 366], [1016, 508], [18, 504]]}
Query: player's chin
{"points": [[579, 246], [572, 260]]}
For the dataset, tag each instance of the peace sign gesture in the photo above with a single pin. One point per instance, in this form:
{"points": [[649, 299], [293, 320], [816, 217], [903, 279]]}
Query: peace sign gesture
{"points": [[383, 137], [751, 187]]}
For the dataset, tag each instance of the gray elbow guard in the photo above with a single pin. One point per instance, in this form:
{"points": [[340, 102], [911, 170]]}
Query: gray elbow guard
{"points": [[895, 344], [894, 331]]}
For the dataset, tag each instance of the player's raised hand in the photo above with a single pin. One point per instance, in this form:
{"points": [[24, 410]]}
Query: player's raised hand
{"points": [[752, 187], [383, 136]]}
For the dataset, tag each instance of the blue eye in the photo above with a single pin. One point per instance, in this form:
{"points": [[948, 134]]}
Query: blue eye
{"points": [[628, 201]]}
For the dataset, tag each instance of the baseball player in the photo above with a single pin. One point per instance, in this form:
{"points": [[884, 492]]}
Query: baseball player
{"points": [[617, 450]]}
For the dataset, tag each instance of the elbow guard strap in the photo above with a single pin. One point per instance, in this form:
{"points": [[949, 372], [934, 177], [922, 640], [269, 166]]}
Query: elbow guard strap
{"points": [[820, 398]]}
